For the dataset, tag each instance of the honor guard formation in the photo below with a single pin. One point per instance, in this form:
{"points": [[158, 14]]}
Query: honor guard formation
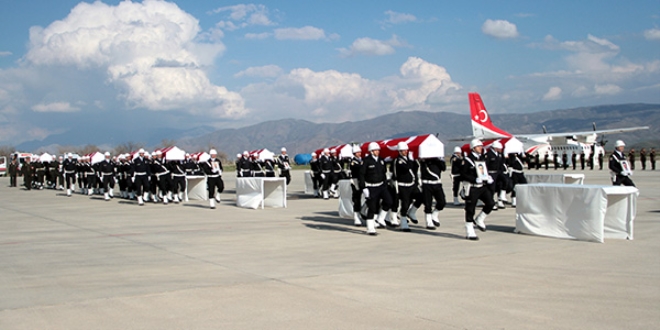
{"points": [[384, 192]]}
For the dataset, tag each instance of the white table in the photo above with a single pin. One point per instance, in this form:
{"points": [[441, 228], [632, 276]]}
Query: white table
{"points": [[196, 188], [345, 199], [254, 193], [582, 212], [566, 178], [309, 183]]}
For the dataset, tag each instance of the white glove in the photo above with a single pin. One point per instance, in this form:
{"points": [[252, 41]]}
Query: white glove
{"points": [[479, 181], [490, 179], [365, 192], [322, 176]]}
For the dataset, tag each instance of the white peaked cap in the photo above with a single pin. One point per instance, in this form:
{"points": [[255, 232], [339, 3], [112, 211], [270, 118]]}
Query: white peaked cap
{"points": [[356, 149], [457, 149], [619, 143], [313, 154], [246, 153], [373, 146], [476, 143], [402, 146], [107, 153], [326, 150], [239, 155], [141, 151], [213, 152], [283, 149], [497, 145], [69, 155], [333, 151]]}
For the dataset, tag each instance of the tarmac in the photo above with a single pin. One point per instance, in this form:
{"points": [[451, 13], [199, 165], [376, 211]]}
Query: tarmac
{"points": [[83, 263]]}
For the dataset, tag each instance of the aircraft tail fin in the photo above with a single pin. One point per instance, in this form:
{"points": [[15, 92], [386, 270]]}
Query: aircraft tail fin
{"points": [[482, 127]]}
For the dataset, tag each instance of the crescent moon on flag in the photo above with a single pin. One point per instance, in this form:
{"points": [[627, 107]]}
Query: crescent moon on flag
{"points": [[485, 118]]}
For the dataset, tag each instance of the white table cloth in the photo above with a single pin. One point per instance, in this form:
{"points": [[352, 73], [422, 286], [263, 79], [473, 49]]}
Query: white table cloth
{"points": [[256, 193], [566, 178], [309, 183], [582, 212]]}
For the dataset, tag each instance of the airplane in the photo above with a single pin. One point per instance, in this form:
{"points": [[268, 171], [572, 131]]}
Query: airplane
{"points": [[533, 144]]}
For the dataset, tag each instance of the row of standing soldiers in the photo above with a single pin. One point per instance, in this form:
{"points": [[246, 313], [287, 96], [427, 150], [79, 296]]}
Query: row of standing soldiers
{"points": [[253, 166], [587, 161]]}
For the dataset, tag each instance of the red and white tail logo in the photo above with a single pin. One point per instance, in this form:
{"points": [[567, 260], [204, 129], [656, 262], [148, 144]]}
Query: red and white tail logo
{"points": [[482, 127]]}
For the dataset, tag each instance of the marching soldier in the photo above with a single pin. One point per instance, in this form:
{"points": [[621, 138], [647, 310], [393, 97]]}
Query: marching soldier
{"points": [[28, 171], [213, 170], [372, 181], [516, 173], [496, 169], [404, 174], [455, 162], [257, 167], [162, 174], [337, 172], [140, 175], [315, 170], [269, 169], [355, 166], [285, 165], [107, 171], [178, 170], [619, 168], [69, 166], [475, 181], [431, 169], [325, 165], [40, 169]]}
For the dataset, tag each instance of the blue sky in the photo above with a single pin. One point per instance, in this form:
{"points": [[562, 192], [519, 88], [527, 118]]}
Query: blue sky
{"points": [[230, 64]]}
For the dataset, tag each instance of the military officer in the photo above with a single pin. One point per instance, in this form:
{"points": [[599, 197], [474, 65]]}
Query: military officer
{"points": [[431, 169], [284, 165], [213, 170], [13, 171], [355, 166], [455, 162], [325, 164], [107, 172], [140, 174], [28, 171], [372, 181]]}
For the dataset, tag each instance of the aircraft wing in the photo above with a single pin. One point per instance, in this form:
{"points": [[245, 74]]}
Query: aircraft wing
{"points": [[537, 137]]}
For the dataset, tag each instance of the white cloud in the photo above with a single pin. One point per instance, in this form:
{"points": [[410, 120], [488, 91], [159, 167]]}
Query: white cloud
{"points": [[258, 35], [55, 107], [608, 89], [4, 53], [553, 94], [500, 29], [243, 15], [652, 34], [372, 47], [339, 96], [148, 51], [398, 18], [303, 33], [268, 71]]}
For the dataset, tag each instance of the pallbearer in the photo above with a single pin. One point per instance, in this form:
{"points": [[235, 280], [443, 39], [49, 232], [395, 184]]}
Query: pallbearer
{"points": [[430, 169], [404, 173], [140, 173], [178, 171], [69, 166], [475, 177], [162, 174], [107, 170], [516, 173], [325, 164], [355, 166], [373, 182], [455, 162]]}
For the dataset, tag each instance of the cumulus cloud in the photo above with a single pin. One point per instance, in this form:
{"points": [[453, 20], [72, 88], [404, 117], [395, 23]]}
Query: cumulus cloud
{"points": [[338, 96], [398, 18], [607, 89], [652, 34], [500, 29], [148, 51], [268, 71], [258, 35], [303, 33], [55, 107], [243, 15], [553, 94], [372, 47]]}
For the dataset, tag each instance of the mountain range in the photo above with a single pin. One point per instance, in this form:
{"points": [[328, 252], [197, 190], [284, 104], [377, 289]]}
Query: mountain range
{"points": [[300, 136]]}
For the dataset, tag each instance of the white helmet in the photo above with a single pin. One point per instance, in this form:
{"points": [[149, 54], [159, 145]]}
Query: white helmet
{"points": [[457, 149], [283, 149], [313, 154], [333, 151], [245, 153], [476, 143], [69, 155], [619, 143], [373, 146], [239, 155], [356, 149], [141, 151], [213, 152], [402, 146], [497, 145], [157, 153], [326, 150], [107, 154]]}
